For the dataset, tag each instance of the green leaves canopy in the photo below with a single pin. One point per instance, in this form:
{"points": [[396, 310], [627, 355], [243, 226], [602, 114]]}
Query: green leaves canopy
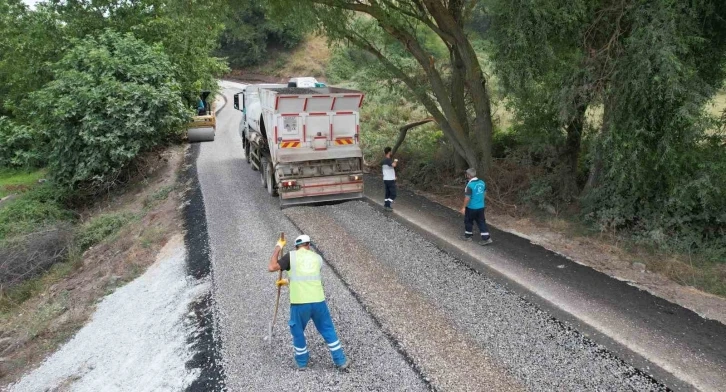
{"points": [[112, 98]]}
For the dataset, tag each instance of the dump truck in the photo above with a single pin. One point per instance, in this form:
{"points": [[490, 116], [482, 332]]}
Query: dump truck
{"points": [[204, 125], [303, 140]]}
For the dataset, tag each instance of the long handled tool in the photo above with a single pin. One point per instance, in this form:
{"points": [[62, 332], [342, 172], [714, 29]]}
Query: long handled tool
{"points": [[268, 338]]}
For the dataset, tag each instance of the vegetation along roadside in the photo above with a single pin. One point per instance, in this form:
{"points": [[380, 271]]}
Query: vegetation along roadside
{"points": [[94, 98], [599, 120]]}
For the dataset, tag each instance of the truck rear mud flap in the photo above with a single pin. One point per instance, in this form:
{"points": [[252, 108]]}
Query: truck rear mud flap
{"points": [[319, 199]]}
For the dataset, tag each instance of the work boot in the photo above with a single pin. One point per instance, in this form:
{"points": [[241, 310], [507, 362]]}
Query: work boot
{"points": [[485, 242], [466, 238], [389, 209], [344, 365]]}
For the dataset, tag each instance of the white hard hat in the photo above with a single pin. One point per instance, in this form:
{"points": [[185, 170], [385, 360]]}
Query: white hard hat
{"points": [[303, 239]]}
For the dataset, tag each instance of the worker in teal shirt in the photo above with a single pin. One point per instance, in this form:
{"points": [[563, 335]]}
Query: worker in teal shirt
{"points": [[201, 107], [473, 208]]}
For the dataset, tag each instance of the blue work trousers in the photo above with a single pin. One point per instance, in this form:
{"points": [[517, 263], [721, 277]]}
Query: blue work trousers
{"points": [[472, 216], [300, 314], [390, 192]]}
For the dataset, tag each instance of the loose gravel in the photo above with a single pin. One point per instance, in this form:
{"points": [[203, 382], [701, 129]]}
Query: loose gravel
{"points": [[243, 223], [537, 350]]}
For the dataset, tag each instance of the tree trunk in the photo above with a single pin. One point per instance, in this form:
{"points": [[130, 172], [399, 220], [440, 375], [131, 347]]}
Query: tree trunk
{"points": [[482, 126], [571, 153], [458, 100], [598, 162], [459, 163]]}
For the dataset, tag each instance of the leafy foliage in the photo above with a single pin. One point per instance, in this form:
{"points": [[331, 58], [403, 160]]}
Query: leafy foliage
{"points": [[654, 164], [35, 209], [99, 228], [188, 32], [665, 172], [422, 45], [30, 41], [113, 98], [249, 33], [20, 146]]}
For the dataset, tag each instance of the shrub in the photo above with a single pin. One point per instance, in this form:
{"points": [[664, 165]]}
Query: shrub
{"points": [[19, 145], [113, 98], [99, 228], [36, 208]]}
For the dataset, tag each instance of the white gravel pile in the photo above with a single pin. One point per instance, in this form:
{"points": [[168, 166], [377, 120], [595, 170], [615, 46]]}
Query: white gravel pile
{"points": [[538, 350], [136, 340]]}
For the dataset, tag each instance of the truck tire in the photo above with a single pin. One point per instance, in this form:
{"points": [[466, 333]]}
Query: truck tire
{"points": [[263, 175], [247, 151], [256, 151], [270, 174]]}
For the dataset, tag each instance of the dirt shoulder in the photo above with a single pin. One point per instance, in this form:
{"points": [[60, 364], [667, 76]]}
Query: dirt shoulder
{"points": [[65, 297], [603, 252]]}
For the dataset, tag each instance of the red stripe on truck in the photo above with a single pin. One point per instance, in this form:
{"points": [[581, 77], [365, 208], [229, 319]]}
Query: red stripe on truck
{"points": [[317, 114], [333, 104], [305, 106], [290, 114], [277, 101], [343, 112], [361, 100]]}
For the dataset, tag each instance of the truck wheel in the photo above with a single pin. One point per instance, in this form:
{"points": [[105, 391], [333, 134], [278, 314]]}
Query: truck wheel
{"points": [[257, 152], [263, 175], [270, 174]]}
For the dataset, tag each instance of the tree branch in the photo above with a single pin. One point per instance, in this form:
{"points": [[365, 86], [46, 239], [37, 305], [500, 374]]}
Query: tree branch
{"points": [[404, 130]]}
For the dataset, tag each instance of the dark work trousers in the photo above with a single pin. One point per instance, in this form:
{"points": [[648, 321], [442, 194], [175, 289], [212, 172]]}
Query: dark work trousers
{"points": [[390, 192], [471, 216]]}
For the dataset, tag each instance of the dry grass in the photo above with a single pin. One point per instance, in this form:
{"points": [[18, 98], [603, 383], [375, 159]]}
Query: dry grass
{"points": [[62, 299], [310, 58]]}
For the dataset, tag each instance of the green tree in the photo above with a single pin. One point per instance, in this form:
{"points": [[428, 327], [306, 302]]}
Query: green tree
{"points": [[440, 66], [20, 145], [652, 67], [249, 32], [547, 74], [187, 30], [112, 98], [31, 41]]}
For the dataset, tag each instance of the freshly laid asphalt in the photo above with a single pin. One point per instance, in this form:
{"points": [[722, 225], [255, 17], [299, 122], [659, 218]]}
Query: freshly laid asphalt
{"points": [[415, 310], [676, 345]]}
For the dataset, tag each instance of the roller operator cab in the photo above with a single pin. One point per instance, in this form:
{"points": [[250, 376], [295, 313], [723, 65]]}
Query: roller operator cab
{"points": [[303, 140]]}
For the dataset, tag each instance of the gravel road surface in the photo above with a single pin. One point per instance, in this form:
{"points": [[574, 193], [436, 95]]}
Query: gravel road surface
{"points": [[481, 322], [243, 223], [410, 316]]}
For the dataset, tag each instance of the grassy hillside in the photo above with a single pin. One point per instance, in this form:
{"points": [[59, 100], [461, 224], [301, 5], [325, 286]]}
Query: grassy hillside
{"points": [[309, 58]]}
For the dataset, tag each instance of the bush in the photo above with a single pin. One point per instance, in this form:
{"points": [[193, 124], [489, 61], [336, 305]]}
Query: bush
{"points": [[113, 98], [37, 208], [19, 145], [99, 228]]}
